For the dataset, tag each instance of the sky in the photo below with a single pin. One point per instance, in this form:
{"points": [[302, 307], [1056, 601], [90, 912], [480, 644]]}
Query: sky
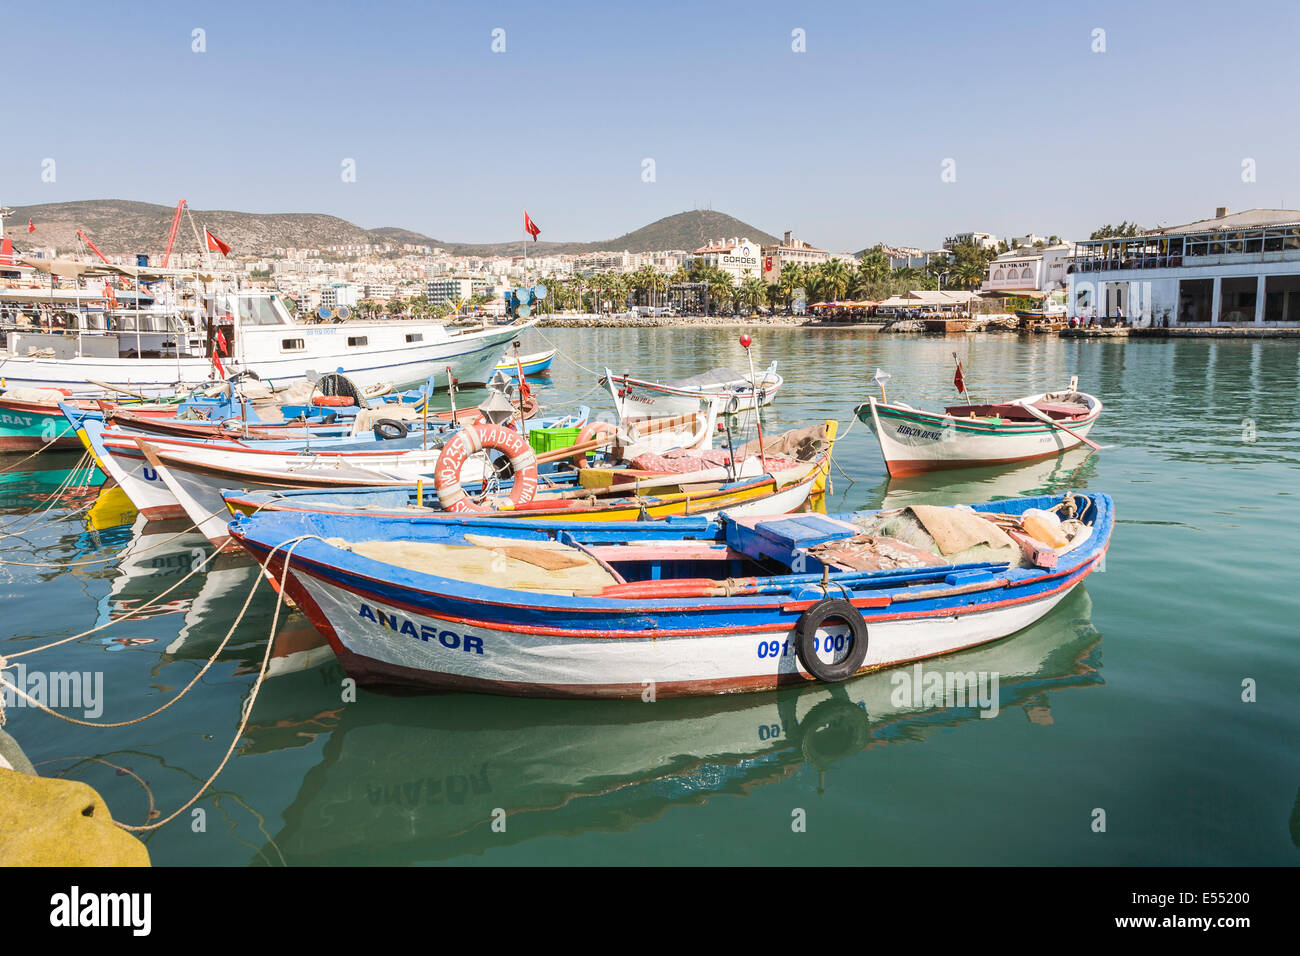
{"points": [[901, 123]]}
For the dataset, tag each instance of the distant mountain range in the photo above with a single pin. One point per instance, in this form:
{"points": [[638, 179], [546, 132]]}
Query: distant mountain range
{"points": [[119, 226]]}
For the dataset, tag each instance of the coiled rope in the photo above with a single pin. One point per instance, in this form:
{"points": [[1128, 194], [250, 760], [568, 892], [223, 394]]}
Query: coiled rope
{"points": [[288, 547]]}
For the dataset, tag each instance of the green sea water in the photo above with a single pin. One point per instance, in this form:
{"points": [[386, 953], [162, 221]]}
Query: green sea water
{"points": [[1162, 697]]}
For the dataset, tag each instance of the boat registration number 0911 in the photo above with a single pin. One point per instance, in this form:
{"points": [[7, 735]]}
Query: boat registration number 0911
{"points": [[829, 642]]}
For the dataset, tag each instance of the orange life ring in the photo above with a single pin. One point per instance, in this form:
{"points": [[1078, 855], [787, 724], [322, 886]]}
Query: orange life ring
{"points": [[333, 401], [590, 431], [472, 439]]}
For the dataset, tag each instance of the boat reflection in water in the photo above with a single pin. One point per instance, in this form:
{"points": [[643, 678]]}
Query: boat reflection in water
{"points": [[419, 778], [159, 556], [1066, 472], [31, 486]]}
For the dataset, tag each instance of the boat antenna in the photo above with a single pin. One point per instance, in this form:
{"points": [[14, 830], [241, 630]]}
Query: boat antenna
{"points": [[745, 342]]}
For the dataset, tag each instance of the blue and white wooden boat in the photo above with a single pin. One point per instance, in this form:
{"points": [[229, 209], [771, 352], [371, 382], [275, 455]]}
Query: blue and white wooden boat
{"points": [[675, 608], [535, 364]]}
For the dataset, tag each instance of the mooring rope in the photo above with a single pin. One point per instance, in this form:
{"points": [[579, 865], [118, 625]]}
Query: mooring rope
{"points": [[257, 685], [123, 770], [559, 351], [291, 543], [112, 557], [9, 468], [126, 617], [58, 493]]}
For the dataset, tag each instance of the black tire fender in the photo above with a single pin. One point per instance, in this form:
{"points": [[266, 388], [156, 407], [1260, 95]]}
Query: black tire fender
{"points": [[805, 633], [387, 429]]}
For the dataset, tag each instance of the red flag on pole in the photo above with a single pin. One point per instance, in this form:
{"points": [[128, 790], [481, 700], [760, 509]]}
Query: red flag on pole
{"points": [[530, 227], [959, 380], [221, 343], [215, 244], [216, 361], [30, 226]]}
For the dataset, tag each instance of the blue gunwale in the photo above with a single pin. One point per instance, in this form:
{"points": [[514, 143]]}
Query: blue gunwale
{"points": [[507, 609]]}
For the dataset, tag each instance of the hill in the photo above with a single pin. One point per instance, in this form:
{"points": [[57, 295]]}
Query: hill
{"points": [[685, 230], [119, 226]]}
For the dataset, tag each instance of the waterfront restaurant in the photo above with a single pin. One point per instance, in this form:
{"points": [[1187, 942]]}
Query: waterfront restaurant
{"points": [[1232, 270]]}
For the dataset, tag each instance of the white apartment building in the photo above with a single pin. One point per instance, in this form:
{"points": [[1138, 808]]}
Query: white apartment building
{"points": [[738, 257], [985, 240], [1040, 269], [789, 250], [1232, 270], [453, 289], [906, 257]]}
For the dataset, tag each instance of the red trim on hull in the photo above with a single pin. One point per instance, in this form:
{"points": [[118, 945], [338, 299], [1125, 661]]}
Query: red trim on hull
{"points": [[36, 443], [163, 512], [909, 467]]}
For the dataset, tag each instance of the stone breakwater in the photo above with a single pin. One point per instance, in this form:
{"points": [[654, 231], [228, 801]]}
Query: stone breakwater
{"points": [[981, 323]]}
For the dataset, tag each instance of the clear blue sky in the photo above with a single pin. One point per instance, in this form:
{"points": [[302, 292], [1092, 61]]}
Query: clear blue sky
{"points": [[842, 143]]}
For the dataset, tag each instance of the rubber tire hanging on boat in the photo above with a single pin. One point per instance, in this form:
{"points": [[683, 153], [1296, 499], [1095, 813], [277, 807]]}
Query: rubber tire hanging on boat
{"points": [[387, 429], [805, 633]]}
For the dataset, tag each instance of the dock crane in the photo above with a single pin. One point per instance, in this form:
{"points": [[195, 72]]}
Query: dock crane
{"points": [[171, 236]]}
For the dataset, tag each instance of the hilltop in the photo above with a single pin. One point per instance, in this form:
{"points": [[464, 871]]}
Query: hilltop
{"points": [[119, 226]]}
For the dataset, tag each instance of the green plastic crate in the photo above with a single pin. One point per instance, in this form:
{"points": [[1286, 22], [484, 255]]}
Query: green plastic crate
{"points": [[543, 440]]}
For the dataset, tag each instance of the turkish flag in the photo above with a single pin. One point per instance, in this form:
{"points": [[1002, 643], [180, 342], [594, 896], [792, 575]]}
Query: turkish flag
{"points": [[530, 227], [958, 380], [221, 343], [30, 226], [215, 244]]}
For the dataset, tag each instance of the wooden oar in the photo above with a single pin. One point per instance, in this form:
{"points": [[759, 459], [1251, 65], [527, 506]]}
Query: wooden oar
{"points": [[116, 388], [1055, 424]]}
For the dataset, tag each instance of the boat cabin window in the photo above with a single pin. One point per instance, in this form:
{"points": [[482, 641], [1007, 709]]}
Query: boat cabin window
{"points": [[258, 310], [358, 340], [292, 345], [414, 337]]}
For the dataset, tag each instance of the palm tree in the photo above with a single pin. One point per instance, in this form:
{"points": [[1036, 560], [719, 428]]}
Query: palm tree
{"points": [[754, 292], [970, 274], [835, 275], [791, 280]]}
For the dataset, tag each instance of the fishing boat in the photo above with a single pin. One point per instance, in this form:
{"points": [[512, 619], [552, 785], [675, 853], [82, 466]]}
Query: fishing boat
{"points": [[683, 607], [536, 363], [177, 350], [971, 435], [204, 489], [735, 391]]}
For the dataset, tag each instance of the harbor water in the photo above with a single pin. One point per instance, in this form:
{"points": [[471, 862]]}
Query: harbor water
{"points": [[1151, 718]]}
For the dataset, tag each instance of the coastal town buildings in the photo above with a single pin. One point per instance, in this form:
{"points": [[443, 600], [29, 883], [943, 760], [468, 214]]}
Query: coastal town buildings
{"points": [[789, 250], [1239, 269], [908, 257], [738, 257], [1031, 269], [985, 240]]}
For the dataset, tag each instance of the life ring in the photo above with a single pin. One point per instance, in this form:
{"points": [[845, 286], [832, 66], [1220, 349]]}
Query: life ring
{"points": [[470, 440], [387, 429], [590, 431], [805, 637], [333, 401]]}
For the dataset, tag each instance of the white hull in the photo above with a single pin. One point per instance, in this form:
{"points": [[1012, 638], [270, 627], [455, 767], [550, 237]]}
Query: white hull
{"points": [[387, 357], [913, 442], [598, 667], [200, 496]]}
